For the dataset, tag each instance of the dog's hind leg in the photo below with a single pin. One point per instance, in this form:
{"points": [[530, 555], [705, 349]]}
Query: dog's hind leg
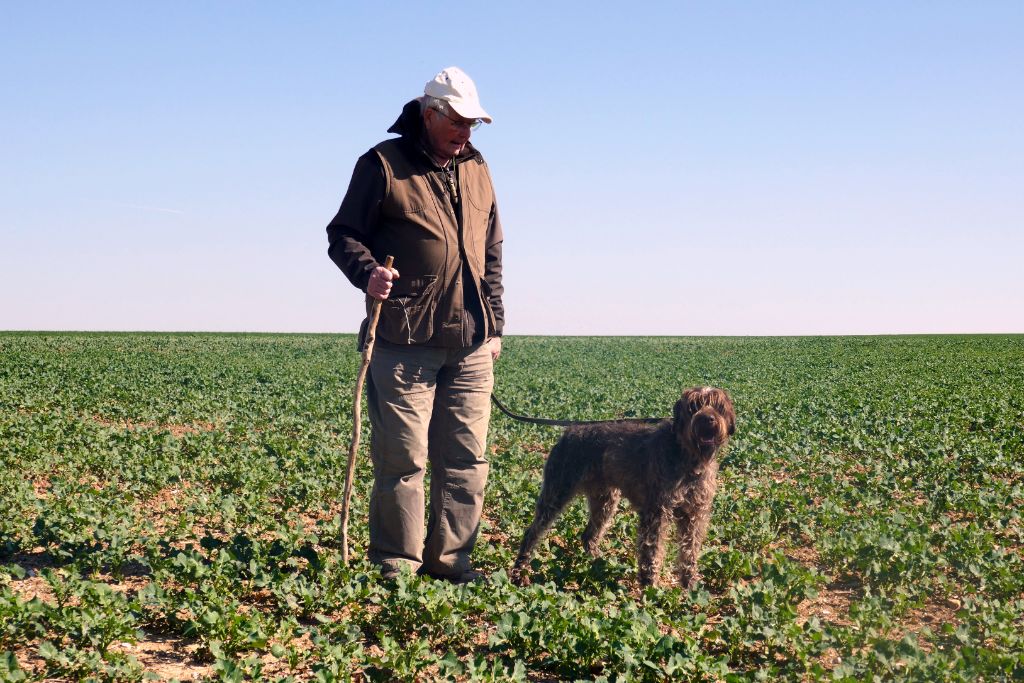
{"points": [[558, 489], [602, 510], [548, 510]]}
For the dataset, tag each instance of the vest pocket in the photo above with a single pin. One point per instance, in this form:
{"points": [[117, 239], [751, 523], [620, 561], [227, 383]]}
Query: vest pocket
{"points": [[409, 317], [485, 299]]}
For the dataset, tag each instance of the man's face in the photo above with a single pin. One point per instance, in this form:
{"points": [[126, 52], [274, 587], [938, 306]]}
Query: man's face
{"points": [[446, 133]]}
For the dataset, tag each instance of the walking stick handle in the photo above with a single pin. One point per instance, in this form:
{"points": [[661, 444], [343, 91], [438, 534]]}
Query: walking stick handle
{"points": [[371, 329], [371, 332]]}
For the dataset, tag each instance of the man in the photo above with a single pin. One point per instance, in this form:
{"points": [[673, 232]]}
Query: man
{"points": [[426, 198]]}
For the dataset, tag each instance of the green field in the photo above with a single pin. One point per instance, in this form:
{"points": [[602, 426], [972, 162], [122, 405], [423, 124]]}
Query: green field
{"points": [[170, 506]]}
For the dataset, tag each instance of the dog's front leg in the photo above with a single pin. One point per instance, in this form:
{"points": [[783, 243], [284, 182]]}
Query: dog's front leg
{"points": [[692, 528], [602, 509], [650, 544], [686, 562]]}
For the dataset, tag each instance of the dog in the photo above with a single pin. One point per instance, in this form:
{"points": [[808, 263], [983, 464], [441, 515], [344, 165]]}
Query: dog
{"points": [[668, 471]]}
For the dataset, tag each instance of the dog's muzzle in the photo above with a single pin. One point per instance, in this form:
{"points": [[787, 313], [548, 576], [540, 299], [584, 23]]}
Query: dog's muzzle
{"points": [[706, 431]]}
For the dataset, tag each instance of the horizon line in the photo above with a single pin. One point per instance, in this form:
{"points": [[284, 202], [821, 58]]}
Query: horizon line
{"points": [[573, 335]]}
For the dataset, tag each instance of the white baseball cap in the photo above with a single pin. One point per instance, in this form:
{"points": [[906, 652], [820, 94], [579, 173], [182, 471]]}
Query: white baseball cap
{"points": [[457, 89]]}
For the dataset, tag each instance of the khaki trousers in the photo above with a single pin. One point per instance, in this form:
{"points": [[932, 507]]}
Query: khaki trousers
{"points": [[427, 404]]}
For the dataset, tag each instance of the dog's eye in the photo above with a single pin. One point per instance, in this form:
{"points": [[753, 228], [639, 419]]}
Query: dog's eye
{"points": [[694, 408]]}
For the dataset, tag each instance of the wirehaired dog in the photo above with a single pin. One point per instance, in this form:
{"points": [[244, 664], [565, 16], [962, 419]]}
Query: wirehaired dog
{"points": [[667, 471]]}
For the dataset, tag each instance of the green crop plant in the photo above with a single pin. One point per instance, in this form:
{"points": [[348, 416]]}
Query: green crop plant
{"points": [[185, 488]]}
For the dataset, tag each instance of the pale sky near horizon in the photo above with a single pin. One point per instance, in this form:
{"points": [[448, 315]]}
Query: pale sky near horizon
{"points": [[674, 168]]}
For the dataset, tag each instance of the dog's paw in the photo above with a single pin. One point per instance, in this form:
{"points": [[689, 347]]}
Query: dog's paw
{"points": [[518, 577], [689, 581]]}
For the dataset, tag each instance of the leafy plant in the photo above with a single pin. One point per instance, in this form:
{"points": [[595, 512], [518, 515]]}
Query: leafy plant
{"points": [[185, 486]]}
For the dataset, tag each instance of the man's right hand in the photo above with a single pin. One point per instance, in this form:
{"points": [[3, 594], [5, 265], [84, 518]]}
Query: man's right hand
{"points": [[380, 282]]}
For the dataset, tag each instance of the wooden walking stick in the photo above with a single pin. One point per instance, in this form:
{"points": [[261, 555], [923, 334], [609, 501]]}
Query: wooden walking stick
{"points": [[371, 330]]}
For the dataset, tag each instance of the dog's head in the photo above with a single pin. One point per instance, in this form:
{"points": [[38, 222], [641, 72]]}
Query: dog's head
{"points": [[704, 420]]}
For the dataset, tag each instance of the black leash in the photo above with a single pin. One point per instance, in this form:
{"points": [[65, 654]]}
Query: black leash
{"points": [[568, 423]]}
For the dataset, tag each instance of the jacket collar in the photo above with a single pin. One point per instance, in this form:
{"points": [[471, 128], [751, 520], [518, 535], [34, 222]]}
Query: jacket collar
{"points": [[409, 125]]}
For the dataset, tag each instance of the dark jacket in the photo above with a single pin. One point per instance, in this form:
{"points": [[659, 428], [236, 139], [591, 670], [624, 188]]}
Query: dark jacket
{"points": [[447, 248]]}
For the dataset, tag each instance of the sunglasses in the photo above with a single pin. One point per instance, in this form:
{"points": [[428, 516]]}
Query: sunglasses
{"points": [[471, 124]]}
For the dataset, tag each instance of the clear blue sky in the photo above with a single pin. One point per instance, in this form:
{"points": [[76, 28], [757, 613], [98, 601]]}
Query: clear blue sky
{"points": [[662, 168]]}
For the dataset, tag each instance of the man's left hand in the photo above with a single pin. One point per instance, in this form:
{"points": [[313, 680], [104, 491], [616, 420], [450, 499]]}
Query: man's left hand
{"points": [[494, 344]]}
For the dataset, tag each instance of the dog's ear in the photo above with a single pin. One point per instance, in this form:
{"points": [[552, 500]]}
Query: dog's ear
{"points": [[679, 414], [683, 410], [728, 412]]}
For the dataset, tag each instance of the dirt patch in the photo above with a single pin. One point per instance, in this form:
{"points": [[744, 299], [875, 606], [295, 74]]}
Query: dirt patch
{"points": [[167, 513], [165, 504], [311, 519], [806, 555], [169, 498], [932, 617], [41, 486], [832, 604], [33, 585], [28, 661], [176, 430], [491, 532], [133, 578], [168, 657]]}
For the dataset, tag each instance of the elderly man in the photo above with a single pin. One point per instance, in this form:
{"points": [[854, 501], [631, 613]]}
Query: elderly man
{"points": [[426, 198]]}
